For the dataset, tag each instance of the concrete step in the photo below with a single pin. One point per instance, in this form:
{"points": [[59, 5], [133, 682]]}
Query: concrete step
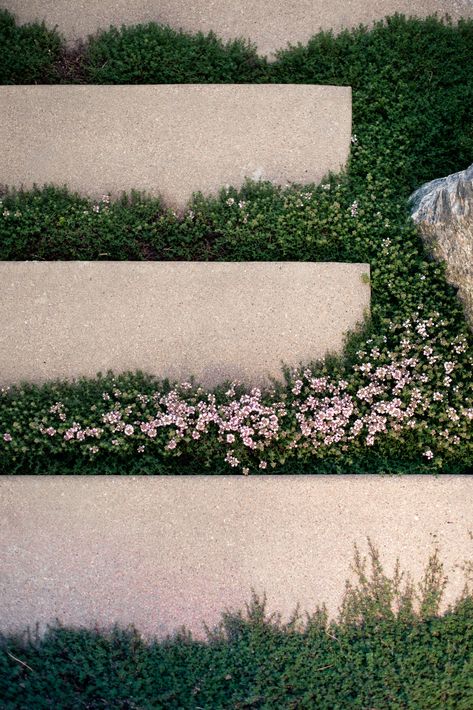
{"points": [[216, 321], [270, 25], [171, 140], [159, 552]]}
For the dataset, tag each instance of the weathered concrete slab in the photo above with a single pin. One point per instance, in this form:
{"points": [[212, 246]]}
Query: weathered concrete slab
{"points": [[171, 140], [271, 26], [162, 551], [216, 321]]}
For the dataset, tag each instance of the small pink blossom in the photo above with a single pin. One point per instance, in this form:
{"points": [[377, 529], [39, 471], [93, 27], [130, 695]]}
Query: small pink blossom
{"points": [[231, 459]]}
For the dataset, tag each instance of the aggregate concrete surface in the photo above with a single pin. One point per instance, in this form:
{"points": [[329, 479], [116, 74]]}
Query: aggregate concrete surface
{"points": [[215, 321], [271, 25], [171, 140], [159, 552]]}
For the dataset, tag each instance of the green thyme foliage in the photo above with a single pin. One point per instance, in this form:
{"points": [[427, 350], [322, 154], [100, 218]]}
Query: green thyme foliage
{"points": [[412, 84], [54, 224], [155, 54], [26, 408], [259, 222], [28, 53], [390, 647]]}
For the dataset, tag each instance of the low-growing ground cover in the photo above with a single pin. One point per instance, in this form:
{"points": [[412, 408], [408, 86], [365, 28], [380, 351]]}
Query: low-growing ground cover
{"points": [[403, 403], [389, 647], [156, 54], [400, 407], [143, 54], [28, 52]]}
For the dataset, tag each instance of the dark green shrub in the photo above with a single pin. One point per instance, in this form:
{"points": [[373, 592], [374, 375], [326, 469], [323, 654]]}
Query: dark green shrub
{"points": [[155, 54], [412, 88], [27, 53]]}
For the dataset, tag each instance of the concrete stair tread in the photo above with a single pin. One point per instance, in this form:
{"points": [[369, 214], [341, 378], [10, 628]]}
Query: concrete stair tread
{"points": [[172, 140], [217, 321], [159, 552]]}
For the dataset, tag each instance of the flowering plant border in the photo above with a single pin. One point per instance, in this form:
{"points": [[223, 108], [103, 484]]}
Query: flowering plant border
{"points": [[405, 385]]}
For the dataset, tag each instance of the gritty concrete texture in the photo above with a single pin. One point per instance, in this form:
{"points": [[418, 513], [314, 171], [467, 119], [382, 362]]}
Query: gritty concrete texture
{"points": [[216, 321], [270, 25], [159, 552], [171, 140]]}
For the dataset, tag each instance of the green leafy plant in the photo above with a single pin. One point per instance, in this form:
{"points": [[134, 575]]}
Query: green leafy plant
{"points": [[156, 54], [28, 53], [412, 86]]}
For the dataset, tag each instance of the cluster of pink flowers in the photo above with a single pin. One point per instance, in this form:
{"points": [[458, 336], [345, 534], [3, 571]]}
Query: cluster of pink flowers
{"points": [[100, 206], [58, 409], [322, 410], [230, 202], [328, 414], [76, 432], [354, 209], [245, 420], [387, 392]]}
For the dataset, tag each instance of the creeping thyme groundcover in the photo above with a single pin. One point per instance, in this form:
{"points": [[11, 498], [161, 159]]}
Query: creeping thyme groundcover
{"points": [[399, 399], [403, 389]]}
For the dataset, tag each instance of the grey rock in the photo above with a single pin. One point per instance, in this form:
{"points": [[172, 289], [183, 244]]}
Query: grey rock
{"points": [[443, 209], [440, 201]]}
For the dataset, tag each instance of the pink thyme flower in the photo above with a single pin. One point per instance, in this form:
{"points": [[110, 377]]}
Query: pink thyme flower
{"points": [[7, 436], [231, 459]]}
